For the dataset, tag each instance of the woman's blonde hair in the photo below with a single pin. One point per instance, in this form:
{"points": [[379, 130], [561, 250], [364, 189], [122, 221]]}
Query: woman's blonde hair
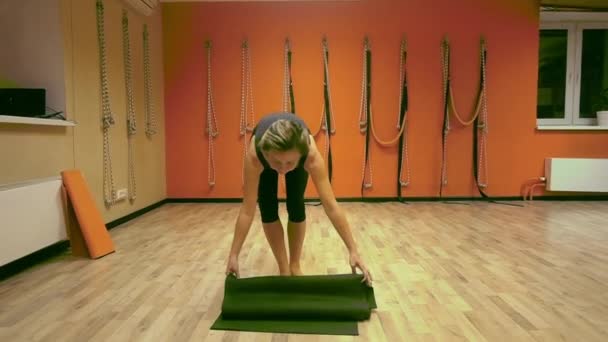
{"points": [[284, 135]]}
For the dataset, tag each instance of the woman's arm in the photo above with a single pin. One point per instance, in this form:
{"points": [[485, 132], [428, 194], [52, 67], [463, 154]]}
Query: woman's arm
{"points": [[316, 168], [247, 212]]}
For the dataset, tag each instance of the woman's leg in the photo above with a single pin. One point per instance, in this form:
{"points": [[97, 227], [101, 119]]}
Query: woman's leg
{"points": [[276, 239], [296, 182], [269, 209], [296, 232]]}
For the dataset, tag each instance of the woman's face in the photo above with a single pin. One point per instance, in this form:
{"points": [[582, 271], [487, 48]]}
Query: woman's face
{"points": [[282, 161]]}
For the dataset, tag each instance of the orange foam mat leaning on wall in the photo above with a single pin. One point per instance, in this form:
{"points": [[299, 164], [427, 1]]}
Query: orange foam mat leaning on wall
{"points": [[92, 234]]}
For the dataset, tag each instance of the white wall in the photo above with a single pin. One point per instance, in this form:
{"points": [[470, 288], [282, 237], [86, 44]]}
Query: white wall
{"points": [[32, 47]]}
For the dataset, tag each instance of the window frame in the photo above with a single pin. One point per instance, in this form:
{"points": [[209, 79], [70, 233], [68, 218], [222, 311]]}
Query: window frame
{"points": [[574, 23], [570, 59], [578, 70]]}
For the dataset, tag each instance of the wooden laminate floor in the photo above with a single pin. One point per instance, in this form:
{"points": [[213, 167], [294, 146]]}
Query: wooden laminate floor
{"points": [[443, 272]]}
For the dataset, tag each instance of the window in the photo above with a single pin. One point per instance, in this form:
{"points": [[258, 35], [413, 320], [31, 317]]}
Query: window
{"points": [[572, 68]]}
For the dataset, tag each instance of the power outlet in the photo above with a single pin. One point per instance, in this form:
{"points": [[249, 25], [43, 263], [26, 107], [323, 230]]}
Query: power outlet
{"points": [[121, 194]]}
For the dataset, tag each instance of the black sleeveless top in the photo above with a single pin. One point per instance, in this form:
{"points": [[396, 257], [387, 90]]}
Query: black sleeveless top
{"points": [[266, 122]]}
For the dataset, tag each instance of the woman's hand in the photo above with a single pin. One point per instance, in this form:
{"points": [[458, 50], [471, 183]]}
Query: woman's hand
{"points": [[233, 266], [356, 262]]}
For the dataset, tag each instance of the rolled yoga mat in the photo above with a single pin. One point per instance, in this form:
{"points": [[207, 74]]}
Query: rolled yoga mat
{"points": [[314, 304]]}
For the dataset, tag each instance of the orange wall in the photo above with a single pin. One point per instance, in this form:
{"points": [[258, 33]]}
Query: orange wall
{"points": [[515, 148]]}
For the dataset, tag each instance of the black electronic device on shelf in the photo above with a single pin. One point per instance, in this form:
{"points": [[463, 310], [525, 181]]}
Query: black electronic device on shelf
{"points": [[26, 102]]}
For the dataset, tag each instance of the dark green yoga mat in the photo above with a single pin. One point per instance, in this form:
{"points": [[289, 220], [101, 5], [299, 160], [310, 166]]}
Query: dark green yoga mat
{"points": [[314, 304]]}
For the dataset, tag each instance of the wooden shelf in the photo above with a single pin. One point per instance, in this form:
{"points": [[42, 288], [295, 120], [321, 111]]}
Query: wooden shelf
{"points": [[572, 128], [35, 121]]}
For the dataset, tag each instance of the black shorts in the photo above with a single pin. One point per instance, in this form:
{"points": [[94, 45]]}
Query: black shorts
{"points": [[295, 182]]}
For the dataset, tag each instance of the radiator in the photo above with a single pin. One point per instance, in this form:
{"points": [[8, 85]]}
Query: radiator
{"points": [[31, 217], [576, 174]]}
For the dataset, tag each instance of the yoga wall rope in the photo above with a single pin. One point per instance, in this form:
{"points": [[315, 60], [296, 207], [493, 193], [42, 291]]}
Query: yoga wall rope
{"points": [[131, 121], [364, 113], [107, 120], [480, 128], [149, 114], [289, 104], [327, 124], [478, 123], [402, 123], [247, 121], [288, 97], [366, 118], [211, 127]]}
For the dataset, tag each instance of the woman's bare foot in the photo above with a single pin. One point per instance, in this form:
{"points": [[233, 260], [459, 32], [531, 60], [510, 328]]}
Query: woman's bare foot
{"points": [[295, 269]]}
